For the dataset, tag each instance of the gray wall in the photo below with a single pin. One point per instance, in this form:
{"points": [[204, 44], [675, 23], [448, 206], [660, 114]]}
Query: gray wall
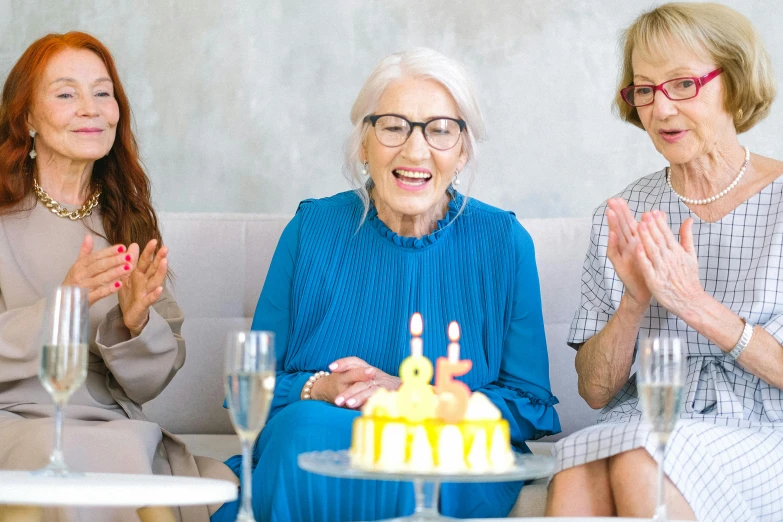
{"points": [[242, 106]]}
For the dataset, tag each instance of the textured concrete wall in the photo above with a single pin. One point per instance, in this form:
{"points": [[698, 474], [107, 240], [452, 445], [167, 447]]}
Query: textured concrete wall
{"points": [[243, 105]]}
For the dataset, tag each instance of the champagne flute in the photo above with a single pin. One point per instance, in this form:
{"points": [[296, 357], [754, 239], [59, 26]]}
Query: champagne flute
{"points": [[660, 380], [250, 382], [65, 338]]}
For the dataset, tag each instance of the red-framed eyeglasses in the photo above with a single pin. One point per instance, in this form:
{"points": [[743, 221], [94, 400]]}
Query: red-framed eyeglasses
{"points": [[676, 90]]}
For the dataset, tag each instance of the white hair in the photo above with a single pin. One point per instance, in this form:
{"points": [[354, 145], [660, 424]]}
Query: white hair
{"points": [[417, 63]]}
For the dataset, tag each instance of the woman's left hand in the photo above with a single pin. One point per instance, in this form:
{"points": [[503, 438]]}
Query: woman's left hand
{"points": [[143, 286], [670, 269], [358, 393]]}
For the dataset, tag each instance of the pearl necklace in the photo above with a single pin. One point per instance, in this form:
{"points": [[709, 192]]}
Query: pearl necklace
{"points": [[716, 196]]}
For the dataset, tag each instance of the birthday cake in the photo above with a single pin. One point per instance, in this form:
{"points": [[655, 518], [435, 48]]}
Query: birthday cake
{"points": [[444, 429]]}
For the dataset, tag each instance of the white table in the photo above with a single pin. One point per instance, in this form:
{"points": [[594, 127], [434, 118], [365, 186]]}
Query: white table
{"points": [[112, 489], [565, 519]]}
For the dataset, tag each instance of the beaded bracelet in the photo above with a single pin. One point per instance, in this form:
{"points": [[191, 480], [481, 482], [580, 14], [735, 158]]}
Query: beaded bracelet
{"points": [[309, 384]]}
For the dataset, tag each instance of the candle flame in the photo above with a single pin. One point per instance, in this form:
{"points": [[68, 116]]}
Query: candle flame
{"points": [[416, 324], [453, 331]]}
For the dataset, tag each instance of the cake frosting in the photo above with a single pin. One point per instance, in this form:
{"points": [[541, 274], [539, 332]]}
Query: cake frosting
{"points": [[392, 436]]}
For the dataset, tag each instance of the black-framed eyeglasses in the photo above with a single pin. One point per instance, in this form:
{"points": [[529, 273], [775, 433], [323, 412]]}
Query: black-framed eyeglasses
{"points": [[676, 89], [392, 130]]}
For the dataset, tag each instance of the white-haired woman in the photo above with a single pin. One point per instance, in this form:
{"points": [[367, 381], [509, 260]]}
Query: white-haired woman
{"points": [[349, 271], [693, 250]]}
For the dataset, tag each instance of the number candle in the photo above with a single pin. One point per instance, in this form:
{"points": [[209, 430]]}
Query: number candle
{"points": [[416, 398], [454, 395]]}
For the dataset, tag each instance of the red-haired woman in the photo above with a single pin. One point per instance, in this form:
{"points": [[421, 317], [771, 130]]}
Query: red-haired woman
{"points": [[74, 209]]}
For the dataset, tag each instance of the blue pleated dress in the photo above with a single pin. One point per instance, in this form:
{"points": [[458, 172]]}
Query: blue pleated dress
{"points": [[336, 289]]}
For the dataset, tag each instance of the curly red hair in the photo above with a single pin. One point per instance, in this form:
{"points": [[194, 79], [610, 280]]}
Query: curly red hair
{"points": [[128, 216]]}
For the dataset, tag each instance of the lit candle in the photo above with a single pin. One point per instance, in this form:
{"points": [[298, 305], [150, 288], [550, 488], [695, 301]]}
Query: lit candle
{"points": [[417, 326], [453, 395], [416, 398], [453, 348]]}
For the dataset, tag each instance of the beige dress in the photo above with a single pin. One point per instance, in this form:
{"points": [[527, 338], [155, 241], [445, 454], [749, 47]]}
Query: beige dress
{"points": [[105, 429]]}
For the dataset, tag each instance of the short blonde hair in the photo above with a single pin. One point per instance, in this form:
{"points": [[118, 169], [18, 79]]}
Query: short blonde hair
{"points": [[416, 63], [726, 36]]}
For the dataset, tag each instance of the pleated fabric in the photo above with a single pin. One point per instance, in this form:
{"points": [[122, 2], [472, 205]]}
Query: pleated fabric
{"points": [[340, 287]]}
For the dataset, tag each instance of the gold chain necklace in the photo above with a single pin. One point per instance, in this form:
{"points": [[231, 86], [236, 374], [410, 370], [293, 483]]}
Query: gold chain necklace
{"points": [[80, 213]]}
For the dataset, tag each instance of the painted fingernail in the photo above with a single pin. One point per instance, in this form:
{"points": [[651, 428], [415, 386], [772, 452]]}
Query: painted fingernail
{"points": [[117, 284], [333, 366], [127, 258], [121, 249], [351, 402], [127, 267], [339, 401], [368, 371]]}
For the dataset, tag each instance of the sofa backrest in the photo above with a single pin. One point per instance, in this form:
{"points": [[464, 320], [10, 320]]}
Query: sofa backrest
{"points": [[220, 262]]}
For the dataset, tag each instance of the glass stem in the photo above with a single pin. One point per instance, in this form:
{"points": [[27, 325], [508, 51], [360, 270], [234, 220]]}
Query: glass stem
{"points": [[660, 505], [57, 459], [246, 511], [426, 496]]}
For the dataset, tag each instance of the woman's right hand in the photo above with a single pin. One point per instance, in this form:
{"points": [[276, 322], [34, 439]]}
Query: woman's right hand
{"points": [[621, 251], [99, 272]]}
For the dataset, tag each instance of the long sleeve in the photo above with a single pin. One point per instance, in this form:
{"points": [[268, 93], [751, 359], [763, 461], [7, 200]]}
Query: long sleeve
{"points": [[144, 365], [20, 340], [522, 391], [273, 313]]}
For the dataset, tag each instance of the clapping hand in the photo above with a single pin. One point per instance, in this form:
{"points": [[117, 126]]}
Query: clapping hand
{"points": [[99, 272], [143, 285], [670, 269], [624, 241]]}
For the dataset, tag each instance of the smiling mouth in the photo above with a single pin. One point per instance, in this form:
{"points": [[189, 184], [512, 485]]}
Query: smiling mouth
{"points": [[411, 178]]}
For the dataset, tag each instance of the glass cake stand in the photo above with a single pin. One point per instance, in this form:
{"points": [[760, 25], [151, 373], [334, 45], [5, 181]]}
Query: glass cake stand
{"points": [[426, 485]]}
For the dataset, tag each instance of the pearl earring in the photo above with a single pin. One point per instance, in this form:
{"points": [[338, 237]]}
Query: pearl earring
{"points": [[455, 180], [32, 153], [365, 168]]}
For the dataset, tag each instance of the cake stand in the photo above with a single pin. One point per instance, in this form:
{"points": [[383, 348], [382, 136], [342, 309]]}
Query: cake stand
{"points": [[426, 485]]}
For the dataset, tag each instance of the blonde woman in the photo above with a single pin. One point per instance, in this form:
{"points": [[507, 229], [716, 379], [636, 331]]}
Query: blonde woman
{"points": [[692, 250]]}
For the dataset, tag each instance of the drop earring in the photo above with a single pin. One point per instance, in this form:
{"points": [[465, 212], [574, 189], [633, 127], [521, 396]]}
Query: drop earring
{"points": [[365, 168], [32, 153], [455, 180]]}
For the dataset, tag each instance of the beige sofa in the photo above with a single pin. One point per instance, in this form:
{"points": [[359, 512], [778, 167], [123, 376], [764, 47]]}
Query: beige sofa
{"points": [[220, 262]]}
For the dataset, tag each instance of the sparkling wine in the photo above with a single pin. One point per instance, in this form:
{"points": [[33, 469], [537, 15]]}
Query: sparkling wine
{"points": [[249, 395], [63, 369], [661, 406]]}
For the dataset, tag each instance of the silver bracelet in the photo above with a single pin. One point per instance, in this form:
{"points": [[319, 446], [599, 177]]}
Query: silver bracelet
{"points": [[744, 339], [309, 384]]}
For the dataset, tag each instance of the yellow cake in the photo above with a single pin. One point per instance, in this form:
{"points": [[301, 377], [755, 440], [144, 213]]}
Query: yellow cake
{"points": [[385, 437]]}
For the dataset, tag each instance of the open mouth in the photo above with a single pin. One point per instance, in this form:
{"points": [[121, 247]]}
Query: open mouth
{"points": [[411, 178], [672, 135]]}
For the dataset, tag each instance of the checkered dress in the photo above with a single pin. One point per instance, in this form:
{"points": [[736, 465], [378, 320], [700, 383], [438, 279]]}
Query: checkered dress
{"points": [[726, 455]]}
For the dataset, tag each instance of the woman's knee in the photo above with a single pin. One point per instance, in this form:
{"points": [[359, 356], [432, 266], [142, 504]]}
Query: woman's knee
{"points": [[309, 425], [629, 467], [581, 490]]}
